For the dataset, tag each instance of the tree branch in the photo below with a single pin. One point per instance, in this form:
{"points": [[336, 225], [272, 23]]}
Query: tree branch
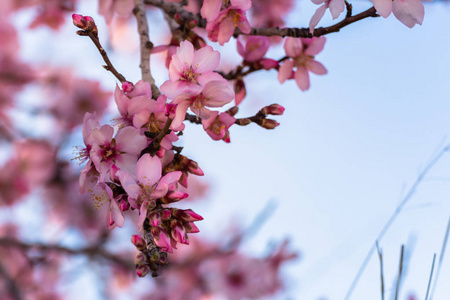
{"points": [[90, 251], [173, 9], [146, 46]]}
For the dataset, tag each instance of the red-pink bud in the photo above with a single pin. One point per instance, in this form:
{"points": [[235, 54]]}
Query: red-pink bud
{"points": [[188, 215], [194, 168], [165, 215], [179, 233], [138, 241], [79, 21], [268, 63], [170, 110], [174, 196], [243, 121], [273, 109], [155, 218], [127, 86], [142, 270], [239, 91], [191, 228], [124, 205]]}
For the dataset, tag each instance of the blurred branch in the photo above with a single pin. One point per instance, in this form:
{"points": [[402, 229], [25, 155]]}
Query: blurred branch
{"points": [[90, 251], [173, 9], [10, 284], [380, 255], [400, 270], [441, 258], [146, 46], [431, 276], [432, 162]]}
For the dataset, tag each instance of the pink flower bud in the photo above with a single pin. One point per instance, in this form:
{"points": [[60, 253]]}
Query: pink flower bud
{"points": [[194, 168], [124, 205], [166, 214], [155, 218], [170, 110], [140, 259], [268, 123], [138, 241], [79, 21], [179, 233], [188, 215], [127, 86], [268, 63], [174, 196], [243, 121], [239, 91], [191, 228], [142, 270], [161, 239], [273, 109]]}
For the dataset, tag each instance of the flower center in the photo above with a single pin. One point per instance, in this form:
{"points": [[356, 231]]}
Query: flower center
{"points": [[190, 75], [108, 152]]}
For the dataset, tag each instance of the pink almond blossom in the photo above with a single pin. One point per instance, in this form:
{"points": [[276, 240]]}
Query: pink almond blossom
{"points": [[213, 94], [222, 23], [189, 69], [217, 126], [301, 52], [123, 150]]}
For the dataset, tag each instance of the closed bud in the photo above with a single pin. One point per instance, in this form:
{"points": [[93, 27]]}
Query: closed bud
{"points": [[155, 257], [273, 109], [142, 271], [243, 121], [127, 86], [140, 259], [268, 123], [239, 90], [194, 168], [124, 205], [138, 241], [233, 111], [79, 21]]}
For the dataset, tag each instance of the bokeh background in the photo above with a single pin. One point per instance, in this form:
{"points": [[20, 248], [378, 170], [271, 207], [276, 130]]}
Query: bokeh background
{"points": [[330, 176]]}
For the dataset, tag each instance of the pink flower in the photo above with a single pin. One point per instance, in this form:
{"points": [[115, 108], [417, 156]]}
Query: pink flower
{"points": [[101, 194], [302, 52], [409, 12], [255, 48], [213, 94], [222, 23], [123, 150], [190, 69], [149, 184], [336, 8], [217, 126]]}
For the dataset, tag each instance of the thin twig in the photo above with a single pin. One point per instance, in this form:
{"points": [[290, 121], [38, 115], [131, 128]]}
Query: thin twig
{"points": [[109, 66], [146, 46], [432, 162], [380, 255], [431, 276], [173, 9], [400, 269], [441, 258]]}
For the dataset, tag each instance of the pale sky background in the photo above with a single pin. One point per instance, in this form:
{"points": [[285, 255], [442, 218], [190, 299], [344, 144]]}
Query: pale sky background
{"points": [[343, 157]]}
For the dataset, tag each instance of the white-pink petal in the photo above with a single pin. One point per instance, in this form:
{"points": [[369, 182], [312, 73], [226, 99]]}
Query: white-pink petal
{"points": [[285, 71], [129, 184], [315, 46], [383, 7], [409, 12], [205, 60], [185, 53], [148, 170], [336, 7], [293, 46], [316, 67], [217, 94], [130, 141], [210, 9], [315, 19], [302, 78]]}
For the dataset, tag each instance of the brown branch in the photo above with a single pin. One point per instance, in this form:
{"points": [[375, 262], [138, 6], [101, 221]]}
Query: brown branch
{"points": [[109, 66], [156, 143], [90, 251], [173, 9], [431, 277], [380, 255], [146, 46]]}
